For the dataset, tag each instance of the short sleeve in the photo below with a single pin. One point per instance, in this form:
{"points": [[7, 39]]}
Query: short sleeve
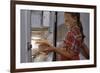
{"points": [[73, 40], [69, 40]]}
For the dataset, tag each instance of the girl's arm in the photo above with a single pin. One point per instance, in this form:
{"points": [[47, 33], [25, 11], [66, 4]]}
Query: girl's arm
{"points": [[66, 54], [63, 52]]}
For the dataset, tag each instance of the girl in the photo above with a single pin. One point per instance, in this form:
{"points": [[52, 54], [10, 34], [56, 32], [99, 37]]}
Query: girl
{"points": [[74, 40]]}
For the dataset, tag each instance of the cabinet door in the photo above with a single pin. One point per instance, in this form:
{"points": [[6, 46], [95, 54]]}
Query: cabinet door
{"points": [[36, 25], [25, 36]]}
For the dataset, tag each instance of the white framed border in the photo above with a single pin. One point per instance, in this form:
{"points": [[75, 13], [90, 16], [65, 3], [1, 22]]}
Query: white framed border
{"points": [[60, 63]]}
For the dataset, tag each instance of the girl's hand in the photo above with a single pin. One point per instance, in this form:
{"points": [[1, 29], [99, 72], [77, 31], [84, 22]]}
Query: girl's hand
{"points": [[49, 49]]}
